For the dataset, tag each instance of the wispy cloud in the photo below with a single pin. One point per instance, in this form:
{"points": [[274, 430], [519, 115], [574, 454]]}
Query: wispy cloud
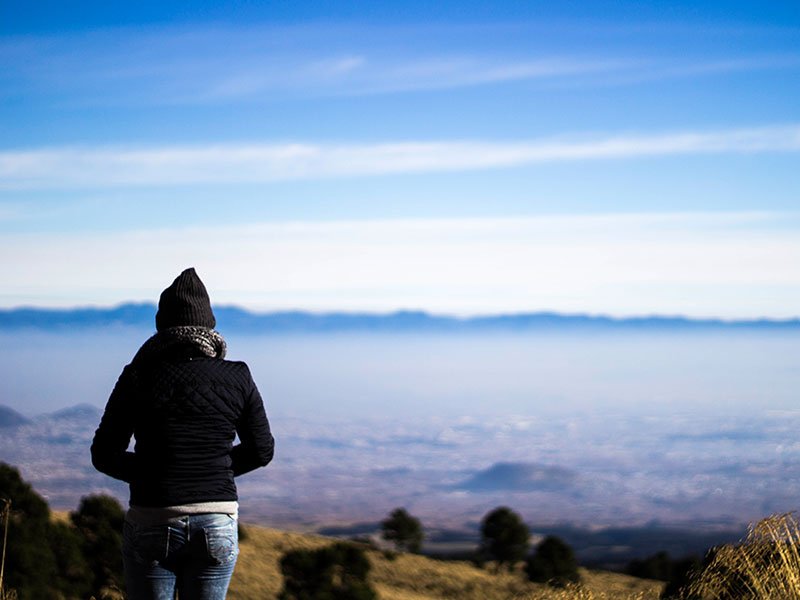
{"points": [[99, 167], [222, 64]]}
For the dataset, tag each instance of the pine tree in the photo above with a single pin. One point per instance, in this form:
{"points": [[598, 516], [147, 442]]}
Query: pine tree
{"points": [[404, 530], [504, 537]]}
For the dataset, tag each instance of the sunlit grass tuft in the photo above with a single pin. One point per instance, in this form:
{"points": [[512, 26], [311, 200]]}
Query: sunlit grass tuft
{"points": [[766, 565]]}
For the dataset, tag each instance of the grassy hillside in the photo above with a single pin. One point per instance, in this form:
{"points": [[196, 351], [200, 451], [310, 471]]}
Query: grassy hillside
{"points": [[410, 577]]}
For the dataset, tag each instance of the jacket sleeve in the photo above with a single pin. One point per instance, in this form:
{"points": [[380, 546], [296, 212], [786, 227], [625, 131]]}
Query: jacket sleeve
{"points": [[110, 444], [257, 445]]}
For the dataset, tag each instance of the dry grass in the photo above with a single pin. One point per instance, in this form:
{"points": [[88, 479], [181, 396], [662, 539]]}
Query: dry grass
{"points": [[257, 573], [60, 516], [586, 593], [766, 565], [8, 595], [412, 577], [5, 513]]}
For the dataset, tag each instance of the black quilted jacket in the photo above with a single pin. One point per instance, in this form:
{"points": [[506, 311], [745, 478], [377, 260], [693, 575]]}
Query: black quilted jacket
{"points": [[184, 411]]}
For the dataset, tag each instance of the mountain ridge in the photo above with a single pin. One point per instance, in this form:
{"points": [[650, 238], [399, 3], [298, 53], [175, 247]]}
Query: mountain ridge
{"points": [[234, 318], [10, 418]]}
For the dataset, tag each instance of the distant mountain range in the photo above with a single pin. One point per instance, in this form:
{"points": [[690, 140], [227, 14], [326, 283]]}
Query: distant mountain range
{"points": [[234, 319], [10, 418], [78, 412]]}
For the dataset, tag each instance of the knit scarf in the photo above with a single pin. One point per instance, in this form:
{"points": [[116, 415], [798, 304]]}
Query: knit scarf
{"points": [[208, 341]]}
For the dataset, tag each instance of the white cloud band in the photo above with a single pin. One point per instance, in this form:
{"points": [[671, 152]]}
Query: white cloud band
{"points": [[103, 167], [729, 264]]}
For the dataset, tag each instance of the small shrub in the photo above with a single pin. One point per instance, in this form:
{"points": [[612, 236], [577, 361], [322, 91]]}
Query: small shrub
{"points": [[389, 555], [337, 572], [658, 566], [677, 573], [553, 563]]}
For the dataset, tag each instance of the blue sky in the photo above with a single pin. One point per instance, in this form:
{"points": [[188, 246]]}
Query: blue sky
{"points": [[615, 157]]}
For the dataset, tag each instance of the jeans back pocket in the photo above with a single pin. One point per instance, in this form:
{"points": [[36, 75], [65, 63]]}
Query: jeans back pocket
{"points": [[147, 545], [222, 542]]}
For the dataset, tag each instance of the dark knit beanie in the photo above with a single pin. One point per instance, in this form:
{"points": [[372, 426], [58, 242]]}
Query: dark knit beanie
{"points": [[185, 302]]}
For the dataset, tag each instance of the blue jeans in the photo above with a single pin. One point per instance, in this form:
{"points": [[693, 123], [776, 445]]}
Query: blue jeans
{"points": [[192, 555]]}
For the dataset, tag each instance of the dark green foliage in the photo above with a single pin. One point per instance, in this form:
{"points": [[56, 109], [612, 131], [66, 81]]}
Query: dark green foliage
{"points": [[25, 502], [36, 547], [73, 570], [99, 521], [404, 530], [504, 537], [337, 572], [30, 564], [677, 573], [55, 560], [658, 566], [681, 574], [243, 535], [553, 563]]}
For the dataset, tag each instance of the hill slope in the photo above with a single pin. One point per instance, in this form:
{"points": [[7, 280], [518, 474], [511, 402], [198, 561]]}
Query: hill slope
{"points": [[11, 418], [410, 577]]}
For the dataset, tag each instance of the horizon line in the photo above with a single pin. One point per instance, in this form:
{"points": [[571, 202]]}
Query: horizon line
{"points": [[454, 316]]}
